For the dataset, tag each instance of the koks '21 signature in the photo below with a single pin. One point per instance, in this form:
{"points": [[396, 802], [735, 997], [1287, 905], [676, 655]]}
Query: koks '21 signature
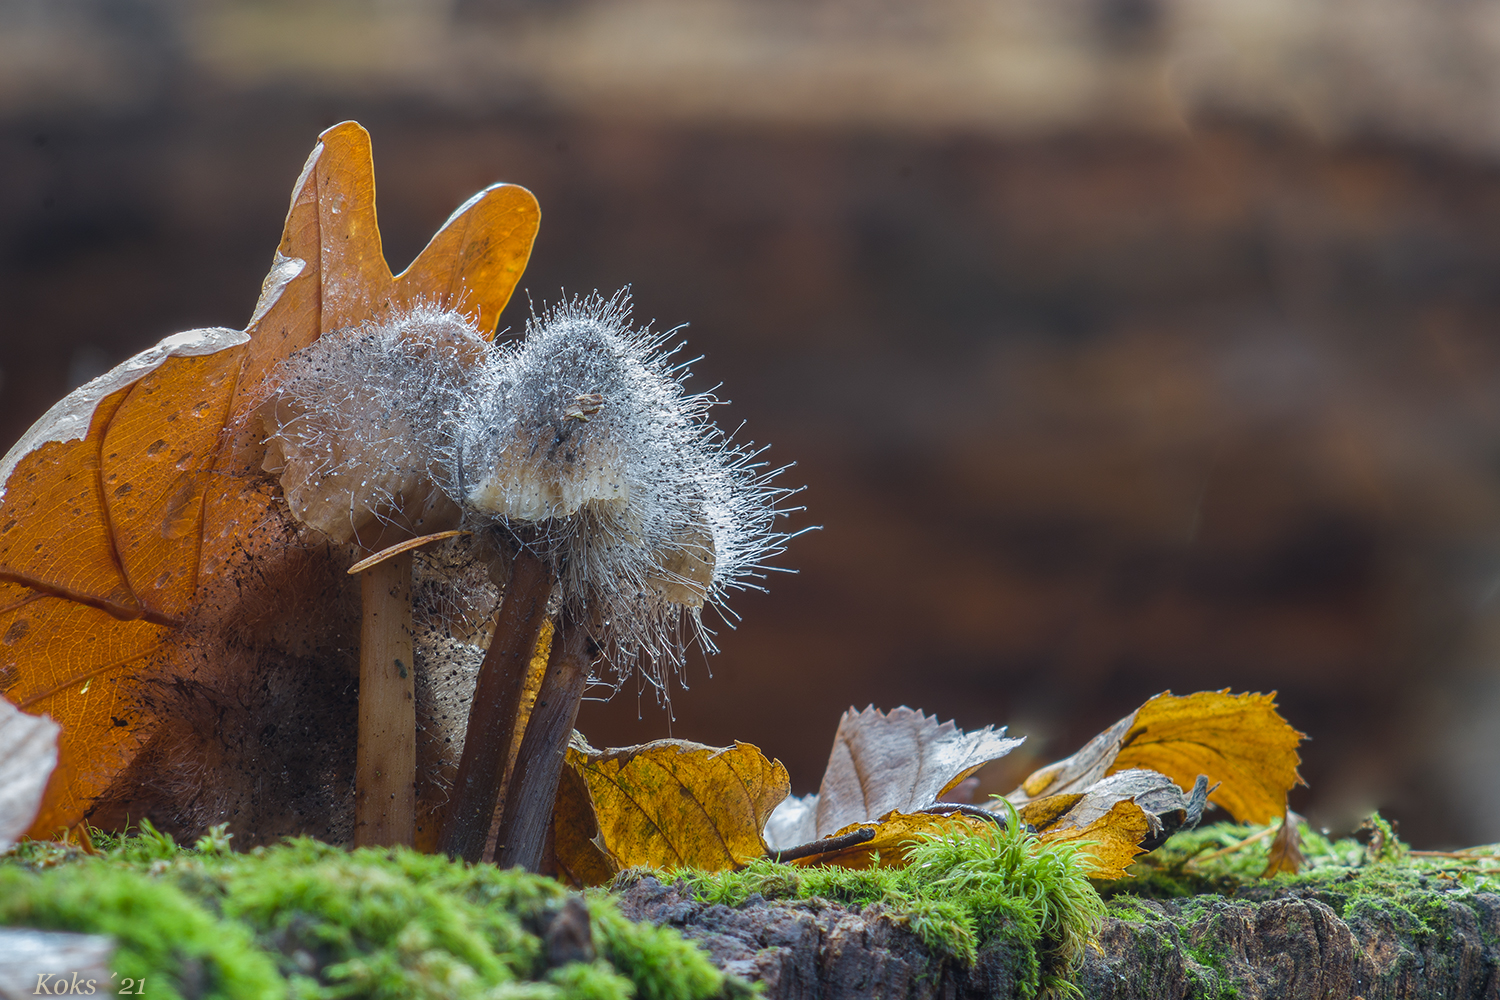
{"points": [[50, 984]]}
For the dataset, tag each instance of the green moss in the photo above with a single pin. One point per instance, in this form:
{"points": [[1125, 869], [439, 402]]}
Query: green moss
{"points": [[1338, 872], [1379, 882], [307, 920], [314, 922], [957, 894]]}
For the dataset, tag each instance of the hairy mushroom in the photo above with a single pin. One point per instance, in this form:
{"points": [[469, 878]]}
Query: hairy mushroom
{"points": [[351, 424], [608, 477]]}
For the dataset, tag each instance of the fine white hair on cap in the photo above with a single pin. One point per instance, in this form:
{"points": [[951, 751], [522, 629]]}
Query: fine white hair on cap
{"points": [[585, 442], [353, 423], [576, 440]]}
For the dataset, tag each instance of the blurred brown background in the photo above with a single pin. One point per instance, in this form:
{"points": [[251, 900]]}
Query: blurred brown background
{"points": [[1122, 345]]}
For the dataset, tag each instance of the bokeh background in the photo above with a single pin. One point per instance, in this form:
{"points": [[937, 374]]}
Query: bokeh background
{"points": [[1122, 345]]}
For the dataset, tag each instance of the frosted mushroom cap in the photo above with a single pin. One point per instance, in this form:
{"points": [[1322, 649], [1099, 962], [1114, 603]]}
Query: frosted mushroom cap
{"points": [[577, 440], [354, 422]]}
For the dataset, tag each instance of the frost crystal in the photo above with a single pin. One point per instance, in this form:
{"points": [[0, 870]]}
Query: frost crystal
{"points": [[577, 441]]}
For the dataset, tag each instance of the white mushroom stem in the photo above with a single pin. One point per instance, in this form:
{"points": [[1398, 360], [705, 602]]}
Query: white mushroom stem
{"points": [[386, 764]]}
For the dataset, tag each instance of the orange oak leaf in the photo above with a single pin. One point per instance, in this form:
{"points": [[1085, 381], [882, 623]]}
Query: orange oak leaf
{"points": [[133, 510]]}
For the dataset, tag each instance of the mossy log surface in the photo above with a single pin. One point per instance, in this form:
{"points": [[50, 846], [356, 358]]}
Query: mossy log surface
{"points": [[974, 917], [1271, 940], [1298, 944]]}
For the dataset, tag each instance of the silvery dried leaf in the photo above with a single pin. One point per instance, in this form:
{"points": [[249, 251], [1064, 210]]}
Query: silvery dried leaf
{"points": [[28, 754], [41, 962], [794, 821], [898, 760]]}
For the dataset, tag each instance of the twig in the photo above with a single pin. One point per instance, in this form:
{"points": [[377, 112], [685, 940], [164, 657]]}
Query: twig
{"points": [[947, 808], [823, 846], [494, 709], [1262, 835]]}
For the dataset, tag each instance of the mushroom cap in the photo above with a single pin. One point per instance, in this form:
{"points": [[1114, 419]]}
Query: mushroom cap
{"points": [[585, 442], [577, 440], [352, 424]]}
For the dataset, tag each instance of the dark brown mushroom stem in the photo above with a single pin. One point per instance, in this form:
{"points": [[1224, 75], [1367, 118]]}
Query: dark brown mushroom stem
{"points": [[533, 784], [495, 707], [386, 754]]}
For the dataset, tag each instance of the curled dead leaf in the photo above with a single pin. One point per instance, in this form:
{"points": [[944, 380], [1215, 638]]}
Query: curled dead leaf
{"points": [[1285, 854], [897, 761], [1167, 808], [1240, 742], [1110, 842]]}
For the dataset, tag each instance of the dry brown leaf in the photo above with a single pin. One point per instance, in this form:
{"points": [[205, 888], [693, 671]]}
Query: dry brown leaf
{"points": [[122, 503], [895, 834], [1110, 842], [1239, 742], [674, 804], [1285, 854], [901, 761], [1155, 793], [1047, 811], [28, 753]]}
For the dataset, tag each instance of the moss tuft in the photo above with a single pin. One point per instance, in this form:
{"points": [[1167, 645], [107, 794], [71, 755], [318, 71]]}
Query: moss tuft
{"points": [[957, 893], [314, 922]]}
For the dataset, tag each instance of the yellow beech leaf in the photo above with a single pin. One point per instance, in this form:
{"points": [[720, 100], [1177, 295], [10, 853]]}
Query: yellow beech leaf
{"points": [[577, 857], [675, 804], [125, 508], [1048, 810], [1109, 842], [1238, 741], [894, 835]]}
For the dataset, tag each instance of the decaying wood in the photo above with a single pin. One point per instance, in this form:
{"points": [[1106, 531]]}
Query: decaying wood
{"points": [[1267, 942]]}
